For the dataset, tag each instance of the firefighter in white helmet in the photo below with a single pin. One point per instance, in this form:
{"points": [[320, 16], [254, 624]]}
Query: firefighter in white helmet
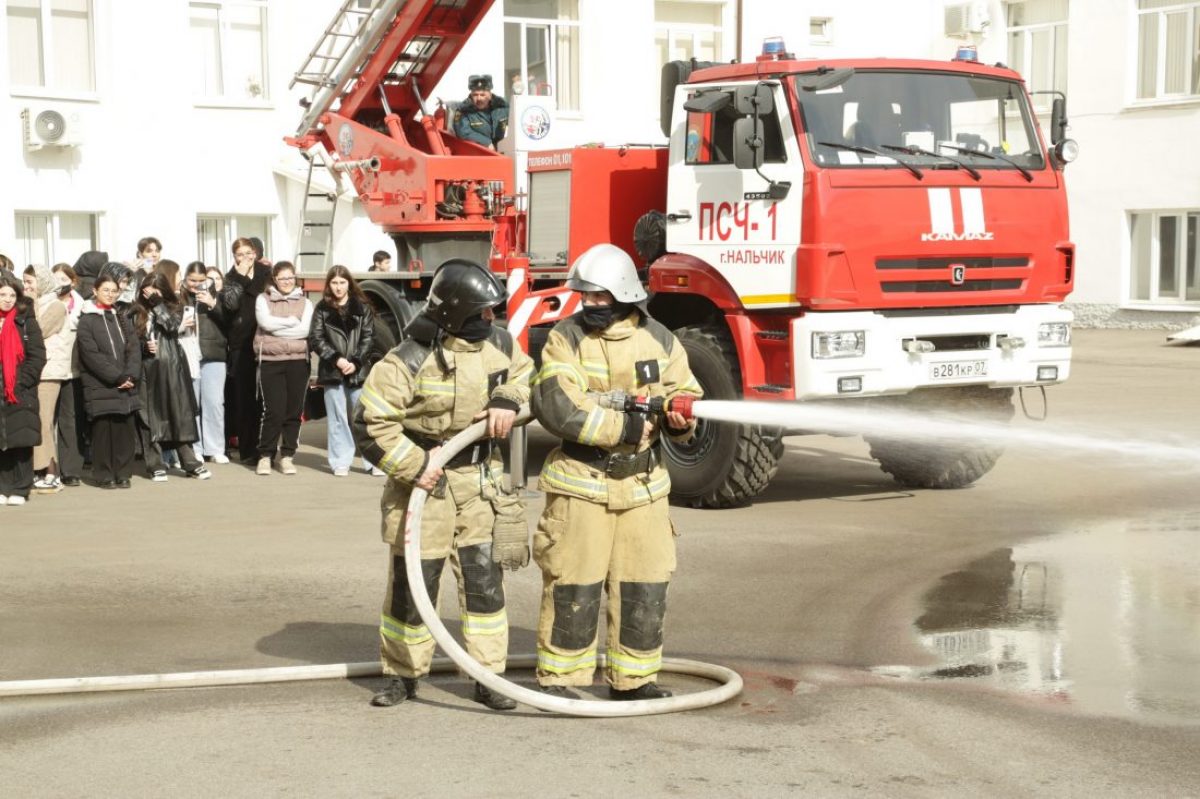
{"points": [[457, 370], [605, 522]]}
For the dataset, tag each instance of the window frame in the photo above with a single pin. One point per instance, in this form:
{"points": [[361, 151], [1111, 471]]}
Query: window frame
{"points": [[225, 100], [1041, 102], [53, 234], [1160, 96], [1151, 259], [230, 234], [49, 91], [553, 33]]}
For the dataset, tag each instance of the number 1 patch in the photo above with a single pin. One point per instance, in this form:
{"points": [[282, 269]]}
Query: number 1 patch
{"points": [[646, 371]]}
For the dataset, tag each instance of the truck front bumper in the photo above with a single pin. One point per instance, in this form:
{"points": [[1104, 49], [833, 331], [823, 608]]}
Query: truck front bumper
{"points": [[907, 350]]}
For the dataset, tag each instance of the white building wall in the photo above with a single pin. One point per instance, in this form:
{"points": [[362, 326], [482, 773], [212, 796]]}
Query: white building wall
{"points": [[153, 159]]}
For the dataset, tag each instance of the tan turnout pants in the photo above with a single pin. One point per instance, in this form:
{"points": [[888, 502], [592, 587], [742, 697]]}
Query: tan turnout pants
{"points": [[583, 547], [458, 526]]}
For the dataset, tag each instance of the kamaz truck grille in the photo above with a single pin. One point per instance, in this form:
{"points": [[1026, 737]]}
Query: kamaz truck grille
{"points": [[948, 275]]}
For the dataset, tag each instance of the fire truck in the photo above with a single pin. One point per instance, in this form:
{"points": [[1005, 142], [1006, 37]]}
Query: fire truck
{"points": [[882, 231]]}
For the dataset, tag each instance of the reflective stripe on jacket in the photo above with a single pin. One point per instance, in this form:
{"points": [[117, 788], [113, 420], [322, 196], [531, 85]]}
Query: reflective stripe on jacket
{"points": [[410, 392], [637, 355]]}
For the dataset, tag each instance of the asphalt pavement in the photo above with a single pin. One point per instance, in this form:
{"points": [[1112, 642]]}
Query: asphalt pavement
{"points": [[1034, 634]]}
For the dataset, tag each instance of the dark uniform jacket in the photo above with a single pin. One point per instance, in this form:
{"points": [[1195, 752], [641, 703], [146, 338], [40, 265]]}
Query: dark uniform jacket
{"points": [[19, 423], [486, 127]]}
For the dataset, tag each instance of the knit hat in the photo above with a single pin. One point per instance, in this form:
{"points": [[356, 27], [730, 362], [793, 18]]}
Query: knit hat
{"points": [[45, 279]]}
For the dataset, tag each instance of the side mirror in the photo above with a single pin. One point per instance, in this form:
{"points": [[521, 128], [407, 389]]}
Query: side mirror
{"points": [[1058, 120], [756, 99], [748, 145]]}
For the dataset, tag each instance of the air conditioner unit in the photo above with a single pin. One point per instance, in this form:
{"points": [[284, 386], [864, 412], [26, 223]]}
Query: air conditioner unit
{"points": [[49, 126], [965, 19]]}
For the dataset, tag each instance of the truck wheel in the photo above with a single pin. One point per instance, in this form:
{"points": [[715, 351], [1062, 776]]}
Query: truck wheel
{"points": [[956, 465], [724, 465], [389, 331]]}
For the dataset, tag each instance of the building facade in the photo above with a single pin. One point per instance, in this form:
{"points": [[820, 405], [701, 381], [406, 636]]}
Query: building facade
{"points": [[129, 118]]}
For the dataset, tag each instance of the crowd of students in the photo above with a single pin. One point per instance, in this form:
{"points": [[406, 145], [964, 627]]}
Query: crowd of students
{"points": [[105, 363]]}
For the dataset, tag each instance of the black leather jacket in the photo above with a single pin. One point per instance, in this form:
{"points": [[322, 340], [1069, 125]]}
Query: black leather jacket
{"points": [[348, 335]]}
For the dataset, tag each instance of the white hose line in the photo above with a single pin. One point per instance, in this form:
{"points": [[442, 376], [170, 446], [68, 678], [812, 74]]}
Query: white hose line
{"points": [[731, 681], [459, 659]]}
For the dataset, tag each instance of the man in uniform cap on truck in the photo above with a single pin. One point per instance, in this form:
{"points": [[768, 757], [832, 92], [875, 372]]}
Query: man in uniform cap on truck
{"points": [[483, 117]]}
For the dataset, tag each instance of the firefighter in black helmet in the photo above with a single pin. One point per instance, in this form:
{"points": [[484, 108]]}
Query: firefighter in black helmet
{"points": [[434, 385]]}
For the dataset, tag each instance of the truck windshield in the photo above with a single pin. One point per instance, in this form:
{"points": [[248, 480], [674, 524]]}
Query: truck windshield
{"points": [[983, 122]]}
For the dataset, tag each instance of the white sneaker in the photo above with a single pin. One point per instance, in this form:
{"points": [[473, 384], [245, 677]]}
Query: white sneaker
{"points": [[377, 472], [264, 466], [219, 459], [341, 471], [159, 476], [3, 500], [287, 465], [16, 500], [49, 484]]}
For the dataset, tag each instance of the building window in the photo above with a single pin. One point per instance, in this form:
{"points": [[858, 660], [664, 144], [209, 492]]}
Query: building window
{"points": [[541, 50], [1168, 39], [215, 235], [1165, 257], [820, 30], [51, 46], [229, 44], [686, 30], [1037, 45], [51, 237]]}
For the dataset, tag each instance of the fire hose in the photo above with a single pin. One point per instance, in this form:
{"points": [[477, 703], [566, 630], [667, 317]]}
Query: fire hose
{"points": [[731, 682]]}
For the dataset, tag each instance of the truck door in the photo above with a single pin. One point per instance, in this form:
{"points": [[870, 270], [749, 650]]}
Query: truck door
{"points": [[715, 210]]}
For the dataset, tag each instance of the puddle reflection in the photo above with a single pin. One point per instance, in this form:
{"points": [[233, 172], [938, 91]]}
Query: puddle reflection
{"points": [[1106, 620]]}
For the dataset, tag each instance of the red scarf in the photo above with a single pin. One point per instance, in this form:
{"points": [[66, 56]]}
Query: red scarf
{"points": [[12, 353]]}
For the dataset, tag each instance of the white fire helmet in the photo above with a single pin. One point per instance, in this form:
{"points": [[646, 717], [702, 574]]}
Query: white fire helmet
{"points": [[606, 267]]}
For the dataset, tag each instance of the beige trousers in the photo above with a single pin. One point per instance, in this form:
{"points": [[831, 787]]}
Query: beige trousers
{"points": [[583, 548], [47, 400], [457, 526]]}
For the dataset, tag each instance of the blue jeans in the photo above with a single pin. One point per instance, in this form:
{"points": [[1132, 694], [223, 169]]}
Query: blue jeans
{"points": [[210, 396], [339, 404]]}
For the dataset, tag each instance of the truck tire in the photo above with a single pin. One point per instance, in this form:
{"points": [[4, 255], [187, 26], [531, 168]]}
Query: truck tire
{"points": [[918, 465], [724, 465], [389, 331]]}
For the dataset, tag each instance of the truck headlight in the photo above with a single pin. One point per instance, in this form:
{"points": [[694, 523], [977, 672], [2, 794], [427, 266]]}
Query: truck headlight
{"points": [[839, 344], [1054, 334]]}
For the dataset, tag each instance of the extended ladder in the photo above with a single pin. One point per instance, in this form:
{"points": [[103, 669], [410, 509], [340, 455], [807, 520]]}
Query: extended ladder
{"points": [[318, 212], [338, 59]]}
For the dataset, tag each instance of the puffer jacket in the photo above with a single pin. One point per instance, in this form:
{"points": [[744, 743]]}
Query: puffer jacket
{"points": [[109, 352], [417, 395], [284, 321], [58, 331], [336, 334], [20, 425], [636, 355]]}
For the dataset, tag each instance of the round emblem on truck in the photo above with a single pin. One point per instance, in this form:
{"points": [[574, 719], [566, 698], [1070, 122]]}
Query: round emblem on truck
{"points": [[345, 139], [535, 122]]}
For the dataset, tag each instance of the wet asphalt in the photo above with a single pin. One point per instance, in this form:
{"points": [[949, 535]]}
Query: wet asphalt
{"points": [[1036, 634]]}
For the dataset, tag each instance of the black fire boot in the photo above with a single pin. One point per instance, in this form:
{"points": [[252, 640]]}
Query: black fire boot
{"points": [[648, 690], [493, 700], [400, 689]]}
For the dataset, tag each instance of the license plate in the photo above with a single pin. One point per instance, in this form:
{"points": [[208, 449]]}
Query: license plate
{"points": [[955, 370]]}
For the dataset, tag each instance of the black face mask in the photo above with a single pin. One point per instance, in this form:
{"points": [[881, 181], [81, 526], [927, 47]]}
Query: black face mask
{"points": [[474, 329], [598, 317]]}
